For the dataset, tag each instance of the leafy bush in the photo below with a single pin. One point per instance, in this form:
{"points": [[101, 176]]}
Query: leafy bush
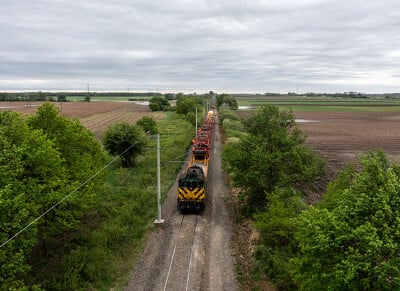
{"points": [[159, 103], [228, 101], [148, 124], [125, 140], [234, 128], [227, 114], [42, 160], [276, 226], [351, 243]]}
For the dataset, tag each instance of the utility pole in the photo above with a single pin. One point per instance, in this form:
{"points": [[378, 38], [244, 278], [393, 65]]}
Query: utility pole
{"points": [[158, 221], [196, 121]]}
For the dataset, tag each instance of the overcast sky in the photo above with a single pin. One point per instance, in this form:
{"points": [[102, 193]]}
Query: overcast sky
{"points": [[198, 46]]}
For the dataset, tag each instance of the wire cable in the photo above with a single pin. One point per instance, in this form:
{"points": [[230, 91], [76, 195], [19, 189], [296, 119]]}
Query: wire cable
{"points": [[61, 200], [76, 189]]}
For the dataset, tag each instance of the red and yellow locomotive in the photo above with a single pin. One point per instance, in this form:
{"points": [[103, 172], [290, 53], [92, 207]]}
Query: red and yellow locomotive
{"points": [[192, 185]]}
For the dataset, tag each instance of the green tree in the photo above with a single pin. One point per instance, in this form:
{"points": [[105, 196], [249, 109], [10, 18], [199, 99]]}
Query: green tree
{"points": [[148, 124], [186, 104], [271, 156], [82, 153], [179, 95], [159, 103], [276, 226], [61, 98], [352, 242], [32, 178], [125, 140], [170, 96], [227, 100], [82, 157]]}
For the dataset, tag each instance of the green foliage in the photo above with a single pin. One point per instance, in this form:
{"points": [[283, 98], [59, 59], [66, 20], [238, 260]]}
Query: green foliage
{"points": [[271, 157], [353, 244], [276, 223], [227, 114], [62, 98], [148, 124], [170, 96], [159, 103], [234, 128], [276, 227], [113, 235], [125, 140], [81, 151], [332, 198], [32, 178], [42, 160], [187, 104], [227, 100], [274, 264], [82, 157]]}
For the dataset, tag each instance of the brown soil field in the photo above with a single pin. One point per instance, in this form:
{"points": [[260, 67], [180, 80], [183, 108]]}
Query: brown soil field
{"points": [[341, 137], [96, 116]]}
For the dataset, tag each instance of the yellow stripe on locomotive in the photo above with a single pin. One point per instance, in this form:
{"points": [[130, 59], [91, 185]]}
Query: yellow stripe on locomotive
{"points": [[191, 194]]}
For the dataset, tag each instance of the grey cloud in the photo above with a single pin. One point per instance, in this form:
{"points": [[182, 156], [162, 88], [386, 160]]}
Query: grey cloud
{"points": [[253, 46]]}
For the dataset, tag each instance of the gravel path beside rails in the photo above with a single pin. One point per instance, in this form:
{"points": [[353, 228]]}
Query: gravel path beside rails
{"points": [[191, 252]]}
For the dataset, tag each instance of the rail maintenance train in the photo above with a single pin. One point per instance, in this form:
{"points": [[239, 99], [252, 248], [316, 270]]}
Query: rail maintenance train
{"points": [[192, 185]]}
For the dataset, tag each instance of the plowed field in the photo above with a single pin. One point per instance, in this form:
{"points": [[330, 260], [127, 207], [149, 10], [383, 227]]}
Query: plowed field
{"points": [[94, 115], [342, 136]]}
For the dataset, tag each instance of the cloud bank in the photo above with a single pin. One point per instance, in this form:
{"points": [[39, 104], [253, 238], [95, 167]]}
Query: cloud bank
{"points": [[202, 45]]}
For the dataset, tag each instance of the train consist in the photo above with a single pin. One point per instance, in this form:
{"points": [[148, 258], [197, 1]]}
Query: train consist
{"points": [[192, 185]]}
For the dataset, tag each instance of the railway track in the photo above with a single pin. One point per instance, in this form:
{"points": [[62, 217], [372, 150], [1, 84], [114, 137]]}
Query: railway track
{"points": [[183, 257], [191, 252]]}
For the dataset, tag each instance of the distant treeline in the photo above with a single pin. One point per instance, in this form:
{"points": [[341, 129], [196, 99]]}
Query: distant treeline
{"points": [[327, 95], [62, 96]]}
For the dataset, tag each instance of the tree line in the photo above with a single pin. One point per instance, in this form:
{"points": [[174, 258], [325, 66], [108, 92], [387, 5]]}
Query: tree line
{"points": [[63, 96], [346, 241]]}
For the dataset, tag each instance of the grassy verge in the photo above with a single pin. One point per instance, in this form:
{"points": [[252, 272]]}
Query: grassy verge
{"points": [[102, 255]]}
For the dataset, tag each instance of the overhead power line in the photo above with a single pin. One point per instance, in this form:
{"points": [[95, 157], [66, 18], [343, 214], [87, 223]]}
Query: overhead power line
{"points": [[61, 200]]}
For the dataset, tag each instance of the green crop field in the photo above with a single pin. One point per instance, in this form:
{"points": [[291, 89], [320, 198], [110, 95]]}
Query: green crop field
{"points": [[297, 103]]}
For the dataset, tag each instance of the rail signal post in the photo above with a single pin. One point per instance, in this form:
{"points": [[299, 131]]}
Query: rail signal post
{"points": [[158, 221]]}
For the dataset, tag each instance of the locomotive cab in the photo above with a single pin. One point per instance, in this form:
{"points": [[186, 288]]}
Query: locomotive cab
{"points": [[192, 190]]}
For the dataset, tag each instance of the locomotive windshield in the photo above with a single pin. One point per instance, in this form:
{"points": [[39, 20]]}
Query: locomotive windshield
{"points": [[190, 183], [200, 156]]}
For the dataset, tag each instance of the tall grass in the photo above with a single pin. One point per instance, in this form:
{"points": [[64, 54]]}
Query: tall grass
{"points": [[102, 255]]}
